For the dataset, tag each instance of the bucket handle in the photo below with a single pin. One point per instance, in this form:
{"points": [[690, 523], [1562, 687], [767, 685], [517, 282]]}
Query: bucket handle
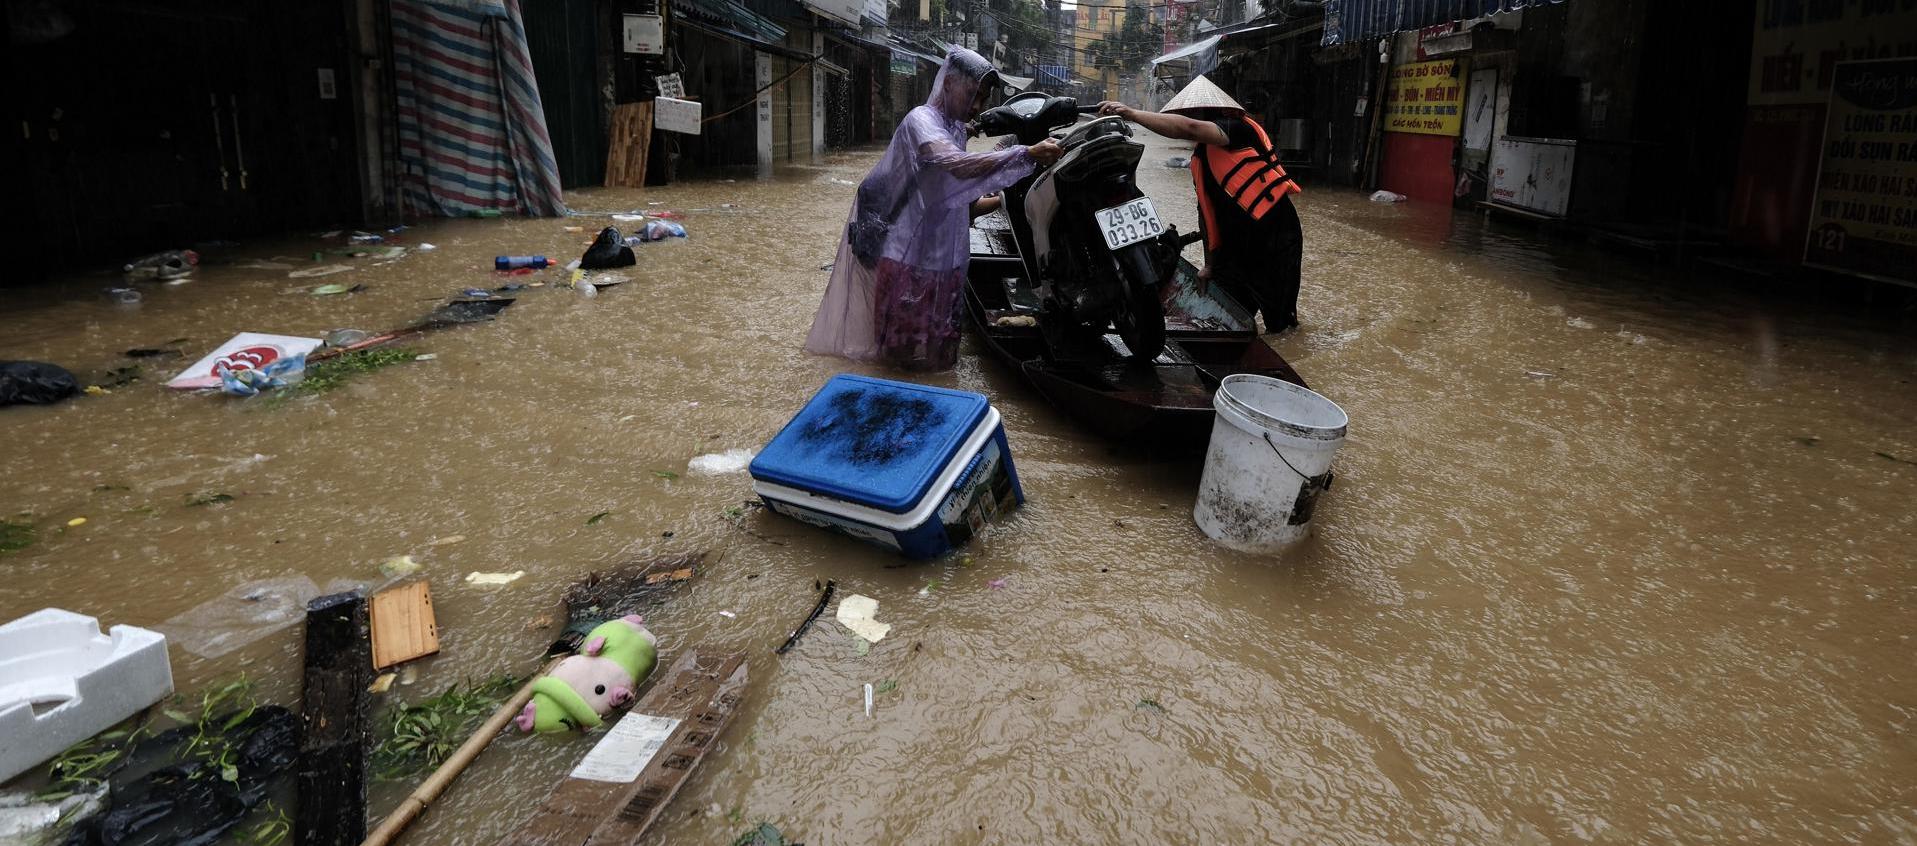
{"points": [[1316, 481]]}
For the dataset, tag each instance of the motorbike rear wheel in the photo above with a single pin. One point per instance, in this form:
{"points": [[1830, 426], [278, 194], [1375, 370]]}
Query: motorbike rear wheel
{"points": [[1141, 323]]}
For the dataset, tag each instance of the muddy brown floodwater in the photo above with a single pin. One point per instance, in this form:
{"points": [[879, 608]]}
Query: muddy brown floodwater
{"points": [[1613, 556]]}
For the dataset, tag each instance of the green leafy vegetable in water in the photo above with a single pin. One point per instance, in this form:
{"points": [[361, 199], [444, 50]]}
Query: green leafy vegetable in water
{"points": [[416, 738], [886, 686], [16, 536], [1151, 704], [594, 519], [665, 474], [201, 500], [336, 371], [765, 834], [87, 764], [273, 829]]}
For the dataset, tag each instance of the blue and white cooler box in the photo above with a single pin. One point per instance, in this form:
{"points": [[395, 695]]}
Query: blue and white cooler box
{"points": [[912, 468]]}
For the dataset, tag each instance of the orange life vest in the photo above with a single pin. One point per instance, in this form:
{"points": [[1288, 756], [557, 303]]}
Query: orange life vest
{"points": [[1251, 176]]}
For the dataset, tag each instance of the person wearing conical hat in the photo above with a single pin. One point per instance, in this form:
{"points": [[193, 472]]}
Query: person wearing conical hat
{"points": [[1254, 245]]}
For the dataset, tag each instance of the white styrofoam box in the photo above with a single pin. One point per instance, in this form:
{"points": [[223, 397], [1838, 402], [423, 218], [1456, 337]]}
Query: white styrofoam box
{"points": [[674, 115], [62, 681]]}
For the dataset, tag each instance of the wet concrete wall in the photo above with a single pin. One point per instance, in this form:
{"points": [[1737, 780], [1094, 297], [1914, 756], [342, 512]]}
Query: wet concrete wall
{"points": [[175, 122]]}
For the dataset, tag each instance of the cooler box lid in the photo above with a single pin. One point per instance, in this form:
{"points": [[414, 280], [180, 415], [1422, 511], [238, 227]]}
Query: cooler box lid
{"points": [[873, 442]]}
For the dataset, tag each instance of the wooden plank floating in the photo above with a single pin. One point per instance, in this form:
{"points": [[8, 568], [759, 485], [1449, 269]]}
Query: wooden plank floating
{"points": [[678, 575], [629, 138], [624, 783], [403, 625], [333, 711]]}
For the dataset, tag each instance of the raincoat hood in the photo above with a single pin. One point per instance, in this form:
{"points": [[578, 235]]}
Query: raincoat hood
{"points": [[958, 83]]}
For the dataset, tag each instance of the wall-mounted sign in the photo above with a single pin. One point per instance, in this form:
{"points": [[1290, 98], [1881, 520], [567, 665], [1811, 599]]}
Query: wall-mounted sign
{"points": [[1533, 173], [674, 115], [645, 34], [671, 85], [1480, 109], [847, 11], [329, 90], [1864, 213], [1426, 98]]}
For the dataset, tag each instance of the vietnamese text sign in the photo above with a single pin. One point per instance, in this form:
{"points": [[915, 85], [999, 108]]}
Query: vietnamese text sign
{"points": [[1864, 214], [645, 34], [1426, 98], [1797, 45]]}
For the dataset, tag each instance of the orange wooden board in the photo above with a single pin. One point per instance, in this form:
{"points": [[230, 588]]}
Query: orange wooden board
{"points": [[403, 625]]}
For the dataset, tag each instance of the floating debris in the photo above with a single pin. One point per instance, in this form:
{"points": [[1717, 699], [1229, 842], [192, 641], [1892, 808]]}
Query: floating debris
{"points": [[720, 463], [323, 270], [856, 612]]}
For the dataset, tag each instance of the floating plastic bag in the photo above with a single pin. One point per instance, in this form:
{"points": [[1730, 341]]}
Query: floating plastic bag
{"points": [[607, 250], [657, 230], [1388, 197], [35, 383], [249, 382], [245, 614]]}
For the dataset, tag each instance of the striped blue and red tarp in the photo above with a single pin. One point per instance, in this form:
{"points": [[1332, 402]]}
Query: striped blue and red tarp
{"points": [[472, 134]]}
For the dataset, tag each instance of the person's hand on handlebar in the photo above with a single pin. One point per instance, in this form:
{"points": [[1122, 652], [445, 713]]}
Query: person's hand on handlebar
{"points": [[1045, 152], [1114, 108]]}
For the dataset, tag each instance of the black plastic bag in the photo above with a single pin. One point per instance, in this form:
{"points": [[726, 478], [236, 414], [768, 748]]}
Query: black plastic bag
{"points": [[194, 802], [607, 250], [35, 383]]}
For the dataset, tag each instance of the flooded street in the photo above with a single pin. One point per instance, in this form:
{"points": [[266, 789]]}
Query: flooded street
{"points": [[1612, 556]]}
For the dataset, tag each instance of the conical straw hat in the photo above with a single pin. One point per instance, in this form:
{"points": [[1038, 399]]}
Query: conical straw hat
{"points": [[1202, 94]]}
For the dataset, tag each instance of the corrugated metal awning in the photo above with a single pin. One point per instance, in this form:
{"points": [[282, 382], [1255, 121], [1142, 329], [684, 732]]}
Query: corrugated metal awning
{"points": [[1363, 20], [730, 18], [1189, 50]]}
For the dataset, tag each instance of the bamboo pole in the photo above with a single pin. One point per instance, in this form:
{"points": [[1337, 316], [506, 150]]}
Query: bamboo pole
{"points": [[429, 791]]}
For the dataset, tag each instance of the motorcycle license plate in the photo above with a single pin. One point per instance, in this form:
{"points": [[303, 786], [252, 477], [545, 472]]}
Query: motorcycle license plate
{"points": [[1130, 223]]}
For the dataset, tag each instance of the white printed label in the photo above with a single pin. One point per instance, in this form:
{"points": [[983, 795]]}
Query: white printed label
{"points": [[625, 750]]}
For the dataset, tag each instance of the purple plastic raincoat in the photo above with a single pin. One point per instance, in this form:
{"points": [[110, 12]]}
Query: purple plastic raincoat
{"points": [[903, 308]]}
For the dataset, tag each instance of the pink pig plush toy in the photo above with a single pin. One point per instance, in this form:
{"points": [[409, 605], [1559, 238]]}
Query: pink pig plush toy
{"points": [[584, 688]]}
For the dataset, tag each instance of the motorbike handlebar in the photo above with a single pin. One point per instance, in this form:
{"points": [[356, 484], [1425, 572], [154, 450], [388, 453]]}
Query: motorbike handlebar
{"points": [[1190, 238]]}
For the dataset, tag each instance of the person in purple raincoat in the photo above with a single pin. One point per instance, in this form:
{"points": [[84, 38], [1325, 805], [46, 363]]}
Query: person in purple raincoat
{"points": [[895, 290]]}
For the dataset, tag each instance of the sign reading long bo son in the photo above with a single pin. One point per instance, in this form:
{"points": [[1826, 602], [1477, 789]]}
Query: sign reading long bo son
{"points": [[675, 115]]}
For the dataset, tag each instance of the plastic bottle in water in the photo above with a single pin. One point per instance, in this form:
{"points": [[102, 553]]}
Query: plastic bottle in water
{"points": [[517, 262]]}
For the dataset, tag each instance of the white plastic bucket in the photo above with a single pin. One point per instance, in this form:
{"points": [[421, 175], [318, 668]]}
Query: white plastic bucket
{"points": [[1270, 458]]}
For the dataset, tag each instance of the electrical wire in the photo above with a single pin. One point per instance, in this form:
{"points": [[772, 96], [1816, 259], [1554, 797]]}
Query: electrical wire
{"points": [[763, 89]]}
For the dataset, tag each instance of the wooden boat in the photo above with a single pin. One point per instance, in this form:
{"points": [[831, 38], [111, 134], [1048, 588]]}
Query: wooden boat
{"points": [[1166, 404]]}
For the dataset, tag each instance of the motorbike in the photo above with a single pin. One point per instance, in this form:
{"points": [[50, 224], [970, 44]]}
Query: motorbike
{"points": [[1092, 243]]}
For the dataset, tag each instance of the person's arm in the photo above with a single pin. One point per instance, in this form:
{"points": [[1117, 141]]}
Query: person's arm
{"points": [[986, 205], [946, 156], [1168, 125]]}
